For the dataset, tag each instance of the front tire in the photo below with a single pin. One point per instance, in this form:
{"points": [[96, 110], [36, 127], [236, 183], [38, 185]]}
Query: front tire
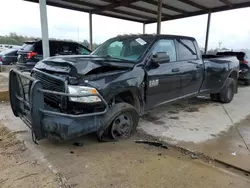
{"points": [[119, 122]]}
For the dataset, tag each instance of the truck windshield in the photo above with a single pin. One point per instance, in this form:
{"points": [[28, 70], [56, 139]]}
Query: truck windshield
{"points": [[130, 48]]}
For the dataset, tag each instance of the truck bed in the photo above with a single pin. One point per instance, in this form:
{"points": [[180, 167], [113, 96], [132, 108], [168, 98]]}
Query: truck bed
{"points": [[215, 64]]}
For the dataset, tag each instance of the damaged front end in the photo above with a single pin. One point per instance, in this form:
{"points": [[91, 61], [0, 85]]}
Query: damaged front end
{"points": [[47, 107]]}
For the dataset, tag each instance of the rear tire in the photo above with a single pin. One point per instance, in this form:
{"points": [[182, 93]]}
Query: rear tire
{"points": [[247, 82], [227, 93], [119, 122]]}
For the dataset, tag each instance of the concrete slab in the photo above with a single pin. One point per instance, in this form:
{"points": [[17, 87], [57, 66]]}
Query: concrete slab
{"points": [[195, 120], [206, 127], [122, 164]]}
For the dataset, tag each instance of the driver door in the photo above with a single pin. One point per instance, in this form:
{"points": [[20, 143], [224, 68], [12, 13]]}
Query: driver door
{"points": [[163, 82]]}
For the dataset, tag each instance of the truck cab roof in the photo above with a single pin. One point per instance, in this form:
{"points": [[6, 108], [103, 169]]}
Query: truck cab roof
{"points": [[155, 36]]}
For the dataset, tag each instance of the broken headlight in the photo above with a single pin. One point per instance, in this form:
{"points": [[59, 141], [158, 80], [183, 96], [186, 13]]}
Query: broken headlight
{"points": [[79, 90]]}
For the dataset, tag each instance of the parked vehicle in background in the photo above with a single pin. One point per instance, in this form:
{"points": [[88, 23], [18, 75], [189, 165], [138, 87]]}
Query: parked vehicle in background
{"points": [[107, 91], [8, 57], [8, 46], [244, 60], [31, 52]]}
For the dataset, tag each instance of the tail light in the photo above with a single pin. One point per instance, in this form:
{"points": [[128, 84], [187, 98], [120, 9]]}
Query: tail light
{"points": [[1, 59], [244, 62], [31, 54]]}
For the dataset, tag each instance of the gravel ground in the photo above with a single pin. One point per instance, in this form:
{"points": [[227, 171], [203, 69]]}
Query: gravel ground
{"points": [[18, 168]]}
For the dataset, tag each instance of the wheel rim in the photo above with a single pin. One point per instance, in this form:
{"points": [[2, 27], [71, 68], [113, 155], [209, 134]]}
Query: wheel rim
{"points": [[121, 126]]}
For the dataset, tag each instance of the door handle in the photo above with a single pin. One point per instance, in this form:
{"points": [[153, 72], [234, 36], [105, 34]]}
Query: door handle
{"points": [[176, 70]]}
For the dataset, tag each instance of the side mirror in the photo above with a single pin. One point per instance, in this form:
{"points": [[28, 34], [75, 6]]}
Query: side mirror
{"points": [[160, 57]]}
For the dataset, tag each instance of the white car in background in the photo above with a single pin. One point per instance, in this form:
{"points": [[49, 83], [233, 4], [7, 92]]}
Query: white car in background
{"points": [[8, 46]]}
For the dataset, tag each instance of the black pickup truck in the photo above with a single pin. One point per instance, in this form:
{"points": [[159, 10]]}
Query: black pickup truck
{"points": [[106, 92]]}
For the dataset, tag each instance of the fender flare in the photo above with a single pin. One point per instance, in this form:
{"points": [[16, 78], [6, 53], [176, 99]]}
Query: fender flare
{"points": [[135, 91], [228, 76]]}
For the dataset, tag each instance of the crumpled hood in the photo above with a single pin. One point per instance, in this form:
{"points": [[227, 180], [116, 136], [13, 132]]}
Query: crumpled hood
{"points": [[80, 65]]}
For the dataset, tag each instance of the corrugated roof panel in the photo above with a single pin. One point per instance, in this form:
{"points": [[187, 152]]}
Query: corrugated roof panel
{"points": [[124, 16], [239, 1], [180, 5], [137, 12], [153, 7], [170, 12], [68, 3], [145, 5], [96, 2], [173, 9], [209, 3]]}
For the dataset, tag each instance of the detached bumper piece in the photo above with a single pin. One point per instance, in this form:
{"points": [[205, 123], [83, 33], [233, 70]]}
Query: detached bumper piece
{"points": [[244, 74], [27, 102]]}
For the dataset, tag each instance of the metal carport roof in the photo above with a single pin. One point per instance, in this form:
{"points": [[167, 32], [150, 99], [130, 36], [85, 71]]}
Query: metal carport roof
{"points": [[145, 11]]}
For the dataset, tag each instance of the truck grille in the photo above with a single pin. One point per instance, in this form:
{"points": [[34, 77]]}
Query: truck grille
{"points": [[53, 84]]}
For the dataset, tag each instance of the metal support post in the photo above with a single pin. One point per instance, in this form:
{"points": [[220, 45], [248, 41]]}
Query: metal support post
{"points": [[44, 28], [144, 28], [159, 16], [90, 31], [207, 32]]}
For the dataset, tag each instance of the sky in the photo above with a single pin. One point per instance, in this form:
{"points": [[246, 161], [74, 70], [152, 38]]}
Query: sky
{"points": [[228, 27]]}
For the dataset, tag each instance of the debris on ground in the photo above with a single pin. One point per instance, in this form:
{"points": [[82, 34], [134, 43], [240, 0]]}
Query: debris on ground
{"points": [[152, 143], [234, 153], [195, 156], [174, 117], [192, 109], [79, 144], [173, 112], [141, 161]]}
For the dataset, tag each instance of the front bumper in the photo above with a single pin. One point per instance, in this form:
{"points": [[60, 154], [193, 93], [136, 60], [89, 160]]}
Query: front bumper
{"points": [[27, 102], [28, 66]]}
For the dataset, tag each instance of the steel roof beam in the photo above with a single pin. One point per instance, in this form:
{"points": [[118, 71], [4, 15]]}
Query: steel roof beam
{"points": [[130, 14], [135, 7], [166, 6], [78, 2], [227, 2], [193, 4], [113, 5]]}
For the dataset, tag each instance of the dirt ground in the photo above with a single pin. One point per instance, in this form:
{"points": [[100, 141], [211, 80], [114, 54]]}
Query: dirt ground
{"points": [[120, 165], [126, 164], [18, 168], [3, 83]]}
